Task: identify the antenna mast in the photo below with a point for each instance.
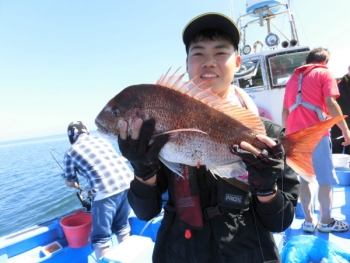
(231, 9)
(292, 23)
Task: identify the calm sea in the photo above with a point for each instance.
(32, 189)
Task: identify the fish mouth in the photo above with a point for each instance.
(100, 127)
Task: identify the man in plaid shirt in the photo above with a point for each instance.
(109, 180)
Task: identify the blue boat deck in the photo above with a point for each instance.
(318, 244)
(27, 245)
(340, 211)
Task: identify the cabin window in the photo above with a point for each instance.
(282, 67)
(249, 75)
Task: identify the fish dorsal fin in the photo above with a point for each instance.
(208, 97)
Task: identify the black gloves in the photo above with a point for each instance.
(263, 169)
(143, 158)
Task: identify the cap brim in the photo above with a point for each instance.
(211, 20)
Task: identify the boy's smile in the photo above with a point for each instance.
(214, 63)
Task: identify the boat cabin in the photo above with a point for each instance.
(263, 74)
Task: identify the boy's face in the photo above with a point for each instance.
(214, 63)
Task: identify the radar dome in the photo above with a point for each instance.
(251, 5)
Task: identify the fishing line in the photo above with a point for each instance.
(257, 233)
(284, 238)
(50, 150)
(282, 222)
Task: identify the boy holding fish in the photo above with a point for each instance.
(209, 218)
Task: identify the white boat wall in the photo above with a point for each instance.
(47, 242)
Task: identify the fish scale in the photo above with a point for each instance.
(188, 147)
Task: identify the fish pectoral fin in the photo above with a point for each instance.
(233, 170)
(182, 130)
(175, 131)
(175, 167)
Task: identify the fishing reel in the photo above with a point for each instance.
(84, 199)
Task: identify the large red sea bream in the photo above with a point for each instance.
(203, 126)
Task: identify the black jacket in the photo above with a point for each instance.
(234, 236)
(343, 101)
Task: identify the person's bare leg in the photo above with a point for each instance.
(325, 200)
(121, 238)
(305, 195)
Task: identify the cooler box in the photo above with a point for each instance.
(135, 249)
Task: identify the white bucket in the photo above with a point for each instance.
(340, 160)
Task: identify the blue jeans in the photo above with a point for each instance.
(323, 163)
(109, 215)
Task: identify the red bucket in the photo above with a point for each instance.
(77, 229)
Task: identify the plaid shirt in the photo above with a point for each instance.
(96, 160)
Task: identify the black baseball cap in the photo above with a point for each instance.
(211, 20)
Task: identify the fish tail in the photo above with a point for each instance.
(300, 145)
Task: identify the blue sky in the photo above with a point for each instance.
(63, 60)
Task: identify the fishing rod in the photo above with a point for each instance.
(50, 149)
(338, 138)
(84, 203)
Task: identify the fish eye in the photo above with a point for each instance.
(115, 113)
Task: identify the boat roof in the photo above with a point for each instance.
(270, 52)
